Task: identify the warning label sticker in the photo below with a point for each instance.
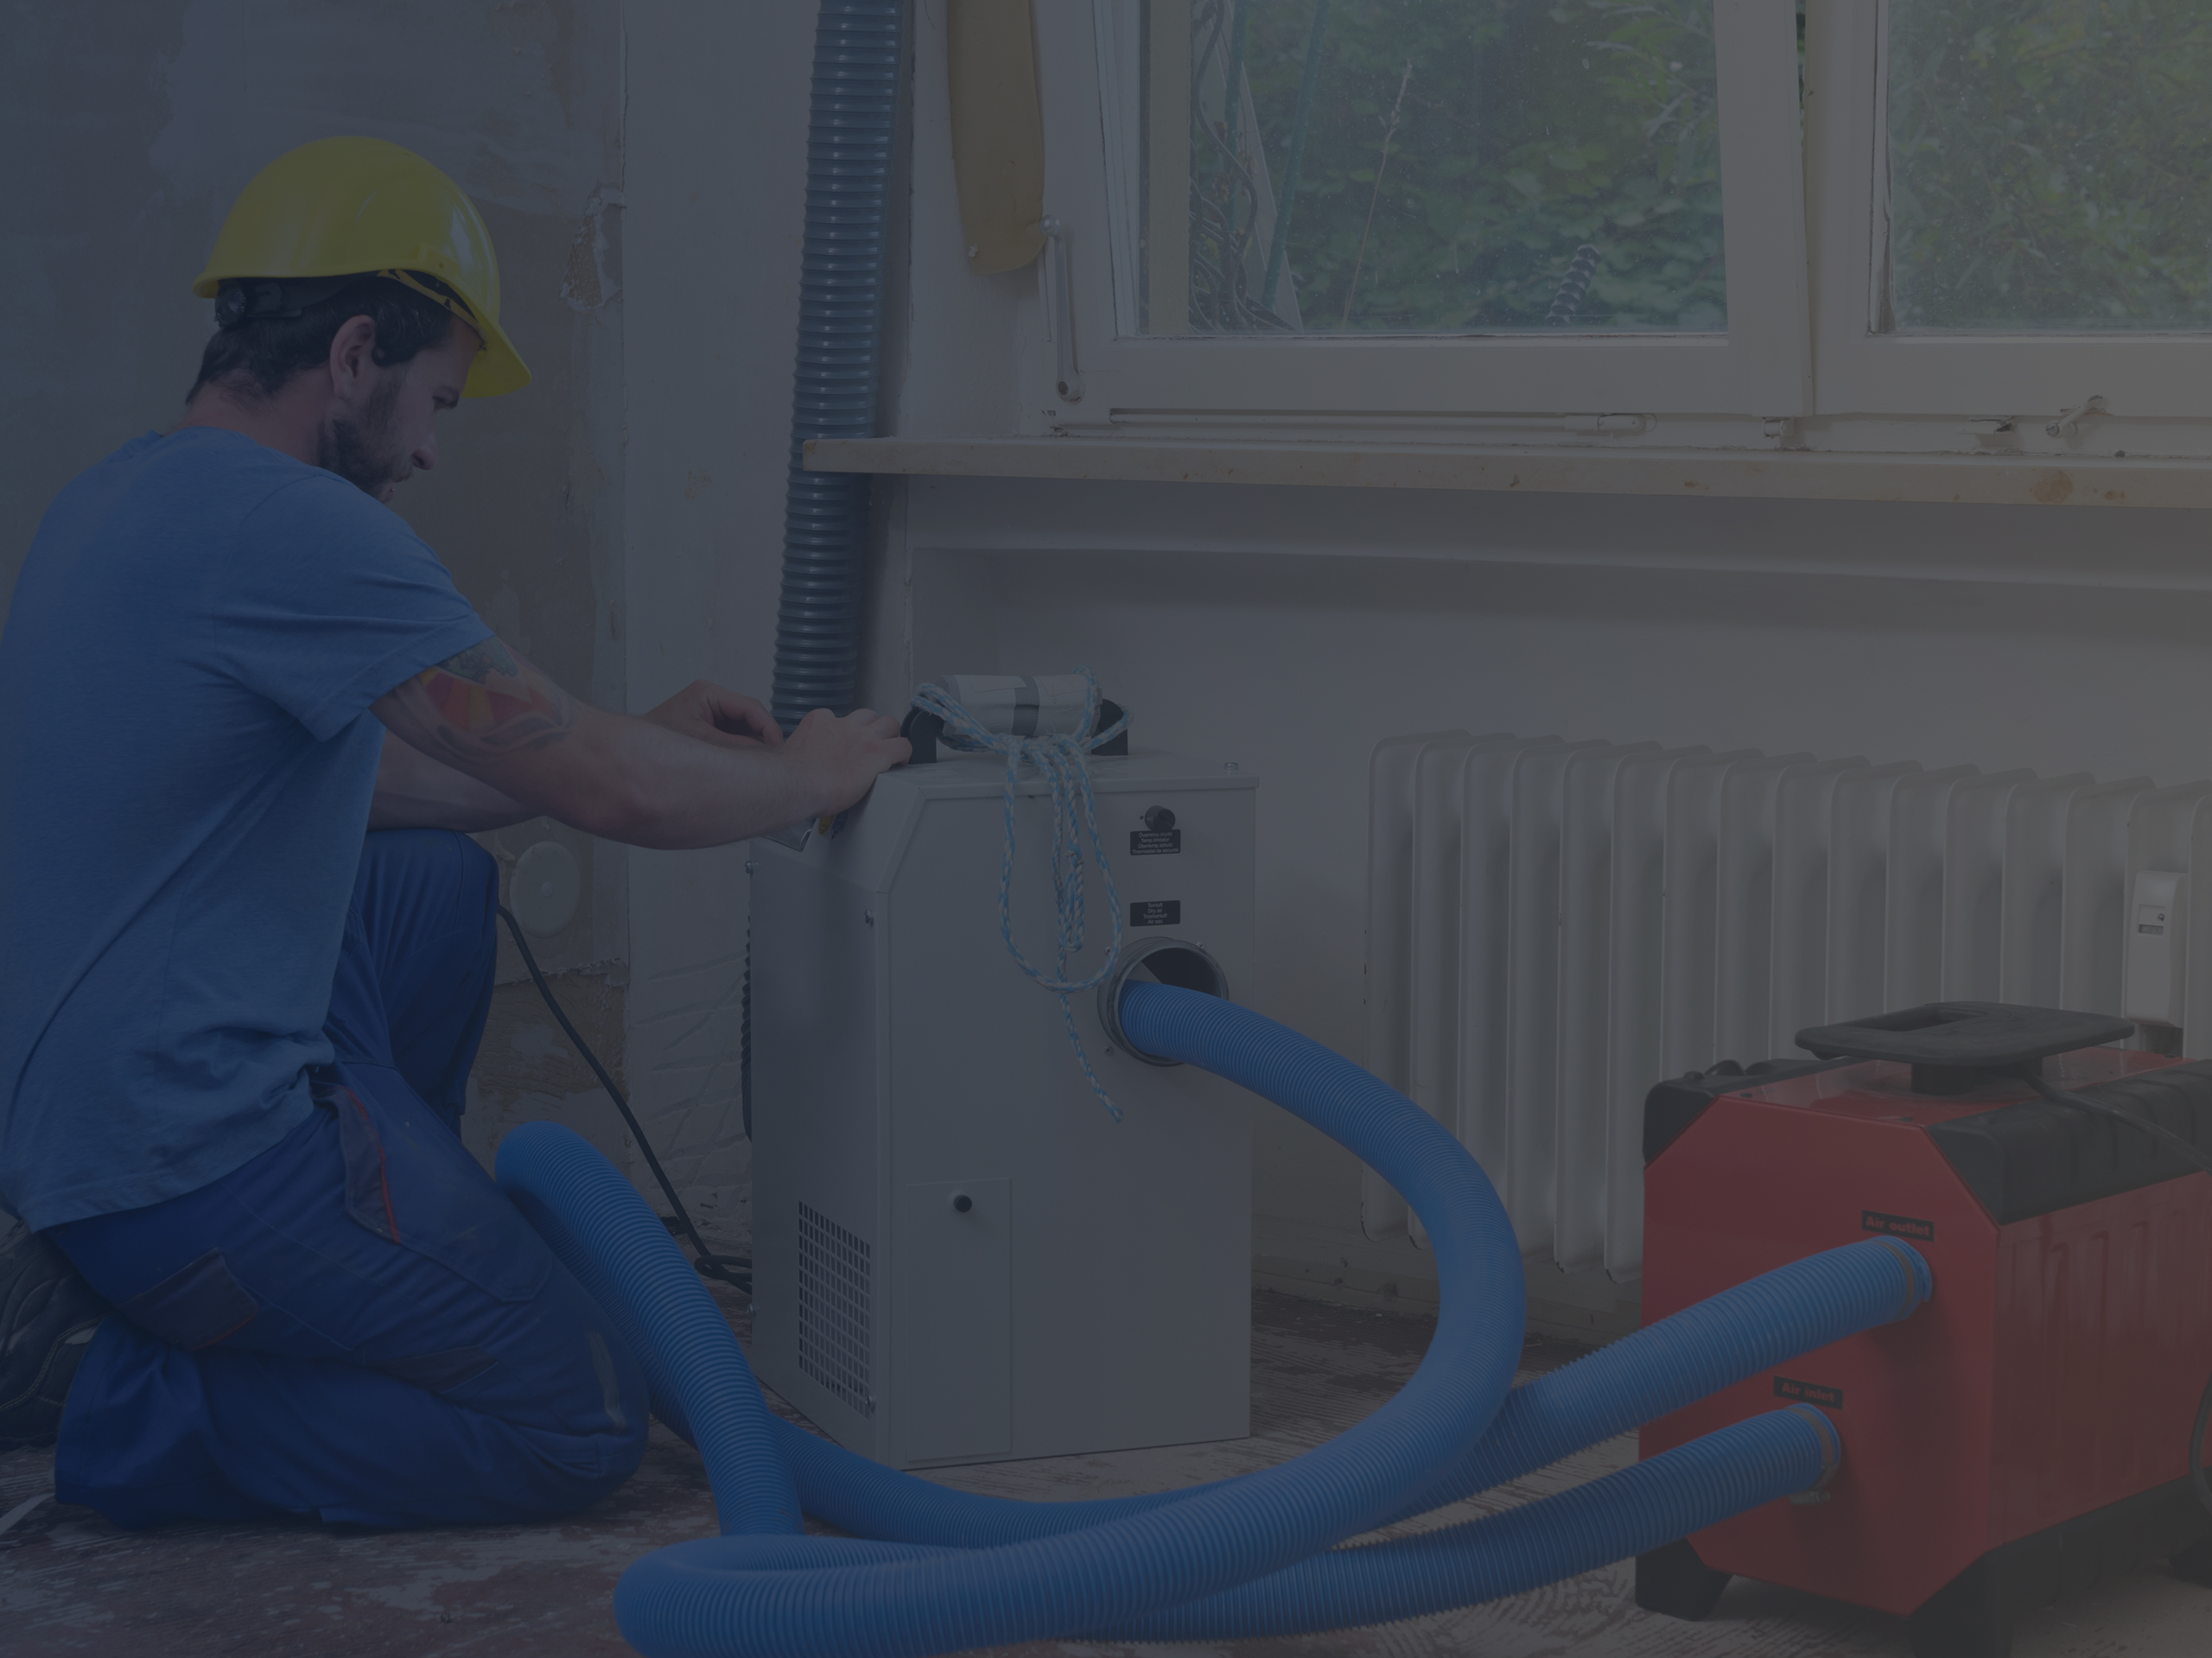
(1809, 1393)
(1156, 913)
(1154, 843)
(1896, 1226)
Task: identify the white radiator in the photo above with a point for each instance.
(1554, 926)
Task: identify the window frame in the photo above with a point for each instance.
(1760, 367)
(1990, 376)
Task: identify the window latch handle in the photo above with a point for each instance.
(2070, 420)
(1058, 286)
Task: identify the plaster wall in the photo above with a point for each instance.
(1291, 629)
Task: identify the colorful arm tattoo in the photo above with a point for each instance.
(484, 699)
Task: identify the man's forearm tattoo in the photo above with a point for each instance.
(484, 699)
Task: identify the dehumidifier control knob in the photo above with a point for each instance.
(1159, 819)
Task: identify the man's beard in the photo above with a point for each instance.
(364, 453)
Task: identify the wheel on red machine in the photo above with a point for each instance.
(1971, 1617)
(1673, 1581)
(2193, 1564)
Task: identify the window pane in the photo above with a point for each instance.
(1428, 166)
(2048, 166)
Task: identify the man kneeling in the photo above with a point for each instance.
(245, 946)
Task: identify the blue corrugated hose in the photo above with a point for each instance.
(943, 1571)
(850, 142)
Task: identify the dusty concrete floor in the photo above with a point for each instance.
(72, 1584)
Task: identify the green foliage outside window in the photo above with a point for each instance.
(1456, 156)
(2050, 165)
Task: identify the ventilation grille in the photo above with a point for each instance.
(1555, 926)
(833, 1277)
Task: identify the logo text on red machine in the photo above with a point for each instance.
(1897, 1226)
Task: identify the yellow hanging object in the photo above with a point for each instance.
(340, 206)
(998, 134)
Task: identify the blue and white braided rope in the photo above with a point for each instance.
(1064, 761)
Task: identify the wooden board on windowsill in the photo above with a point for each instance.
(1995, 479)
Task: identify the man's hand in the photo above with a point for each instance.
(714, 713)
(682, 778)
(844, 757)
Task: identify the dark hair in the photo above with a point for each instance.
(267, 331)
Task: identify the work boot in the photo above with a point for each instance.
(48, 1317)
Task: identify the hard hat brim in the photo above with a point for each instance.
(499, 368)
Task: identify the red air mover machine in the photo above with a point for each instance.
(2039, 1425)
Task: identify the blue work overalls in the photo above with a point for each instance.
(356, 1324)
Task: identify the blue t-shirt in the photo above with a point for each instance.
(186, 765)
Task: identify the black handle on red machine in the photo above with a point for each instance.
(1953, 1046)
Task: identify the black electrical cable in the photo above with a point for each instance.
(712, 1265)
(2183, 1148)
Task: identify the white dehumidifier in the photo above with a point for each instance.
(959, 1255)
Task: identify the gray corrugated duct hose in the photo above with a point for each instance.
(851, 143)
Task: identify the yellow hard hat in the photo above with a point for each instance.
(342, 206)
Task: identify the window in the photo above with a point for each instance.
(2045, 167)
(2014, 214)
(1427, 167)
(1440, 207)
(1448, 216)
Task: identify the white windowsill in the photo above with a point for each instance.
(1995, 479)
